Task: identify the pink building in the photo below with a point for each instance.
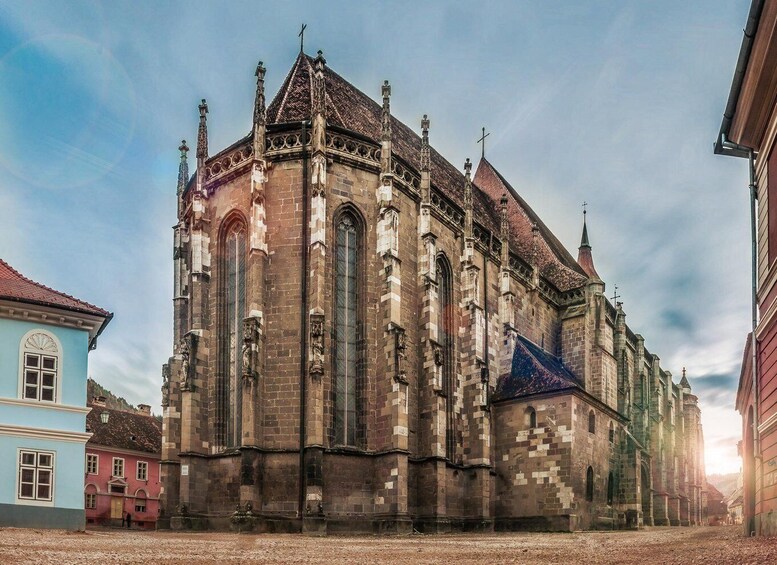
(122, 466)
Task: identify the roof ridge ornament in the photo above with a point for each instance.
(483, 141)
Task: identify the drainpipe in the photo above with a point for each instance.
(736, 150)
(303, 324)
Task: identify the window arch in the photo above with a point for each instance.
(348, 327)
(530, 418)
(591, 422)
(610, 488)
(229, 388)
(446, 336)
(589, 484)
(40, 362)
(612, 433)
(140, 501)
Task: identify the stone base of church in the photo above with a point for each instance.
(674, 522)
(393, 525)
(661, 522)
(432, 525)
(187, 522)
(314, 526)
(563, 523)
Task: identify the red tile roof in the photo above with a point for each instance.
(349, 108)
(17, 287)
(124, 430)
(552, 258)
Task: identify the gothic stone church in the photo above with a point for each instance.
(370, 339)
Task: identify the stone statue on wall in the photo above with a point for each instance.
(400, 349)
(187, 354)
(250, 349)
(165, 385)
(317, 345)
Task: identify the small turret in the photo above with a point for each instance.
(584, 257)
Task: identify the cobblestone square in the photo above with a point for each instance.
(715, 545)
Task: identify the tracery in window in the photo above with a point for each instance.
(347, 330)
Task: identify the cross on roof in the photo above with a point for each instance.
(584, 207)
(615, 295)
(301, 36)
(483, 141)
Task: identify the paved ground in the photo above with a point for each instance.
(714, 545)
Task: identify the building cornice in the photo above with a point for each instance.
(44, 433)
(61, 317)
(45, 405)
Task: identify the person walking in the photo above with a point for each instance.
(129, 520)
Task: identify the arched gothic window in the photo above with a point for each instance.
(446, 336)
(531, 418)
(591, 422)
(233, 300)
(589, 484)
(612, 433)
(40, 361)
(347, 330)
(610, 489)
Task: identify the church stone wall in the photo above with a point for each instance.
(534, 474)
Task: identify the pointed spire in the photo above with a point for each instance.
(584, 256)
(425, 153)
(183, 167)
(584, 239)
(202, 134)
(504, 227)
(684, 384)
(319, 85)
(386, 114)
(468, 198)
(504, 232)
(260, 112)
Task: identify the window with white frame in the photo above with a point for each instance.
(36, 476)
(140, 501)
(90, 500)
(118, 467)
(92, 463)
(40, 365)
(142, 471)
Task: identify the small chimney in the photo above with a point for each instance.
(98, 401)
(144, 409)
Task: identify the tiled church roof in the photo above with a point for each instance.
(533, 371)
(554, 261)
(349, 108)
(15, 286)
(124, 430)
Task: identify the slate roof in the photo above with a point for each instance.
(349, 108)
(124, 430)
(17, 287)
(533, 371)
(553, 260)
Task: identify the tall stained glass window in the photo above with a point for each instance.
(445, 335)
(346, 331)
(234, 313)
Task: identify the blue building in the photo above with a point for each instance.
(45, 338)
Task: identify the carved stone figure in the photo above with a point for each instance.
(165, 385)
(317, 345)
(250, 349)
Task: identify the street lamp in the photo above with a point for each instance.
(104, 417)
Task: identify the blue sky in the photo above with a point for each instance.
(614, 103)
